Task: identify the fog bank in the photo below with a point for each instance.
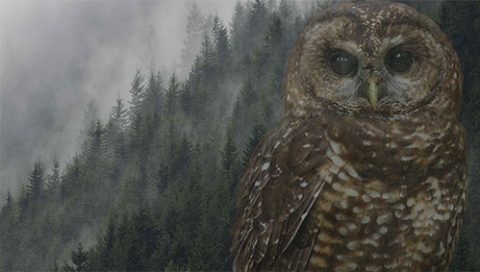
(56, 56)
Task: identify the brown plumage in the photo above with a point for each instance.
(367, 169)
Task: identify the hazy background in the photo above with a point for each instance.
(56, 56)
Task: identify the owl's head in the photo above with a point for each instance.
(377, 59)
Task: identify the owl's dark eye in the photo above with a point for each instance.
(343, 63)
(399, 60)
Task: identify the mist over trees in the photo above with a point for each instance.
(153, 187)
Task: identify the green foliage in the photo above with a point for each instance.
(35, 194)
(154, 186)
(137, 94)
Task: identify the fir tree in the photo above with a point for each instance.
(54, 177)
(230, 168)
(79, 259)
(153, 96)
(118, 116)
(173, 164)
(257, 22)
(238, 30)
(196, 28)
(222, 48)
(36, 186)
(96, 140)
(172, 95)
(7, 209)
(137, 94)
(116, 139)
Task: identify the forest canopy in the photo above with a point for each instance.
(153, 187)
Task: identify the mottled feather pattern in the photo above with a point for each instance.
(340, 185)
(290, 230)
(278, 194)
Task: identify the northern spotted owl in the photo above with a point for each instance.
(367, 169)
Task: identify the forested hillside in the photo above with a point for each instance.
(154, 186)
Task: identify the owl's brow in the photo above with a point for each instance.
(407, 17)
(413, 22)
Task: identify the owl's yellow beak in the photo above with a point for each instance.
(373, 91)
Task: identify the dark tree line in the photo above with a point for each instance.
(154, 186)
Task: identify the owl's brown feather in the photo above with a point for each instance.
(323, 195)
(276, 197)
(343, 185)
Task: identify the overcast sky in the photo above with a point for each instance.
(56, 56)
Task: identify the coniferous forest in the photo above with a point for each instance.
(153, 187)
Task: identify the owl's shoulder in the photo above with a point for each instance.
(277, 193)
(297, 145)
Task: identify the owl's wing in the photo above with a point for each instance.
(272, 229)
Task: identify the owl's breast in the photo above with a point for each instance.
(374, 226)
(392, 200)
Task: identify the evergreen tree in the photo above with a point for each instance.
(9, 235)
(54, 177)
(7, 216)
(116, 140)
(79, 259)
(230, 169)
(70, 182)
(90, 114)
(7, 208)
(54, 181)
(238, 34)
(96, 140)
(257, 22)
(36, 187)
(147, 236)
(222, 48)
(172, 162)
(118, 116)
(172, 95)
(103, 258)
(196, 28)
(137, 94)
(153, 96)
(208, 59)
(90, 118)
